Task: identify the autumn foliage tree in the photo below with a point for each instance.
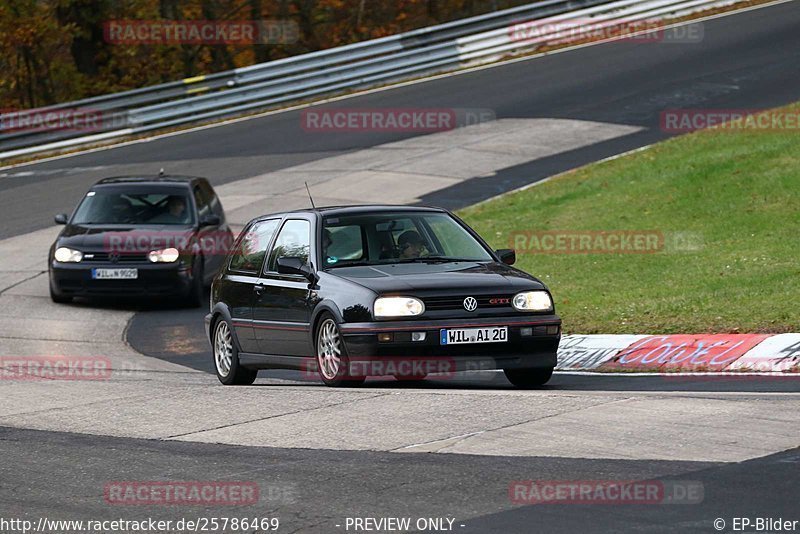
(56, 50)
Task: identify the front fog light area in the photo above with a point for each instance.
(538, 301)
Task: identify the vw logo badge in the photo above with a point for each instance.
(470, 304)
(113, 257)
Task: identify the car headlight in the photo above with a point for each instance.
(532, 301)
(67, 255)
(398, 307)
(168, 255)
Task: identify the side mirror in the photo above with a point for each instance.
(507, 255)
(61, 218)
(295, 265)
(212, 219)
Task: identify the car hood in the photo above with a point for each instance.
(100, 237)
(430, 278)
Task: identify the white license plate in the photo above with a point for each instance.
(460, 336)
(115, 274)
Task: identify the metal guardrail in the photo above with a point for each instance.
(440, 48)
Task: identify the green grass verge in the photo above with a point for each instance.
(737, 194)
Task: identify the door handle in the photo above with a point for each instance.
(258, 288)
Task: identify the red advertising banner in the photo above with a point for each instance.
(684, 352)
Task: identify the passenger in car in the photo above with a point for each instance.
(327, 241)
(411, 245)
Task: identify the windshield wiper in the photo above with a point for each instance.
(425, 259)
(434, 259)
(352, 264)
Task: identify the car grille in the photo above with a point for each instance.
(457, 303)
(122, 257)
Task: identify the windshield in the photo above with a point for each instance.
(131, 207)
(399, 237)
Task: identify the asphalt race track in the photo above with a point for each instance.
(747, 60)
(446, 448)
(327, 487)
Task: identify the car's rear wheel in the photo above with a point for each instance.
(226, 358)
(529, 378)
(333, 364)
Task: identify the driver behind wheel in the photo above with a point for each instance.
(121, 209)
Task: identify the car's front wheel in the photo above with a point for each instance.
(529, 378)
(332, 362)
(226, 358)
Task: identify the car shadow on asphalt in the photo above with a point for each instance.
(171, 332)
(560, 383)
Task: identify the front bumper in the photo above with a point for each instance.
(536, 349)
(154, 280)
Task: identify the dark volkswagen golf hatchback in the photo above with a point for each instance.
(154, 236)
(351, 292)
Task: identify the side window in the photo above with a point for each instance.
(213, 199)
(201, 201)
(293, 241)
(248, 254)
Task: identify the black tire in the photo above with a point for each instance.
(226, 357)
(331, 355)
(57, 298)
(529, 378)
(197, 292)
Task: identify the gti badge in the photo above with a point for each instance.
(470, 304)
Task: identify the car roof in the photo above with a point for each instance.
(158, 179)
(353, 210)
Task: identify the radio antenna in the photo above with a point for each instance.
(309, 196)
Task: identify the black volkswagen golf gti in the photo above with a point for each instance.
(358, 291)
(154, 236)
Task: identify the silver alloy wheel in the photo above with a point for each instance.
(329, 349)
(223, 348)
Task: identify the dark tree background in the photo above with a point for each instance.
(55, 50)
